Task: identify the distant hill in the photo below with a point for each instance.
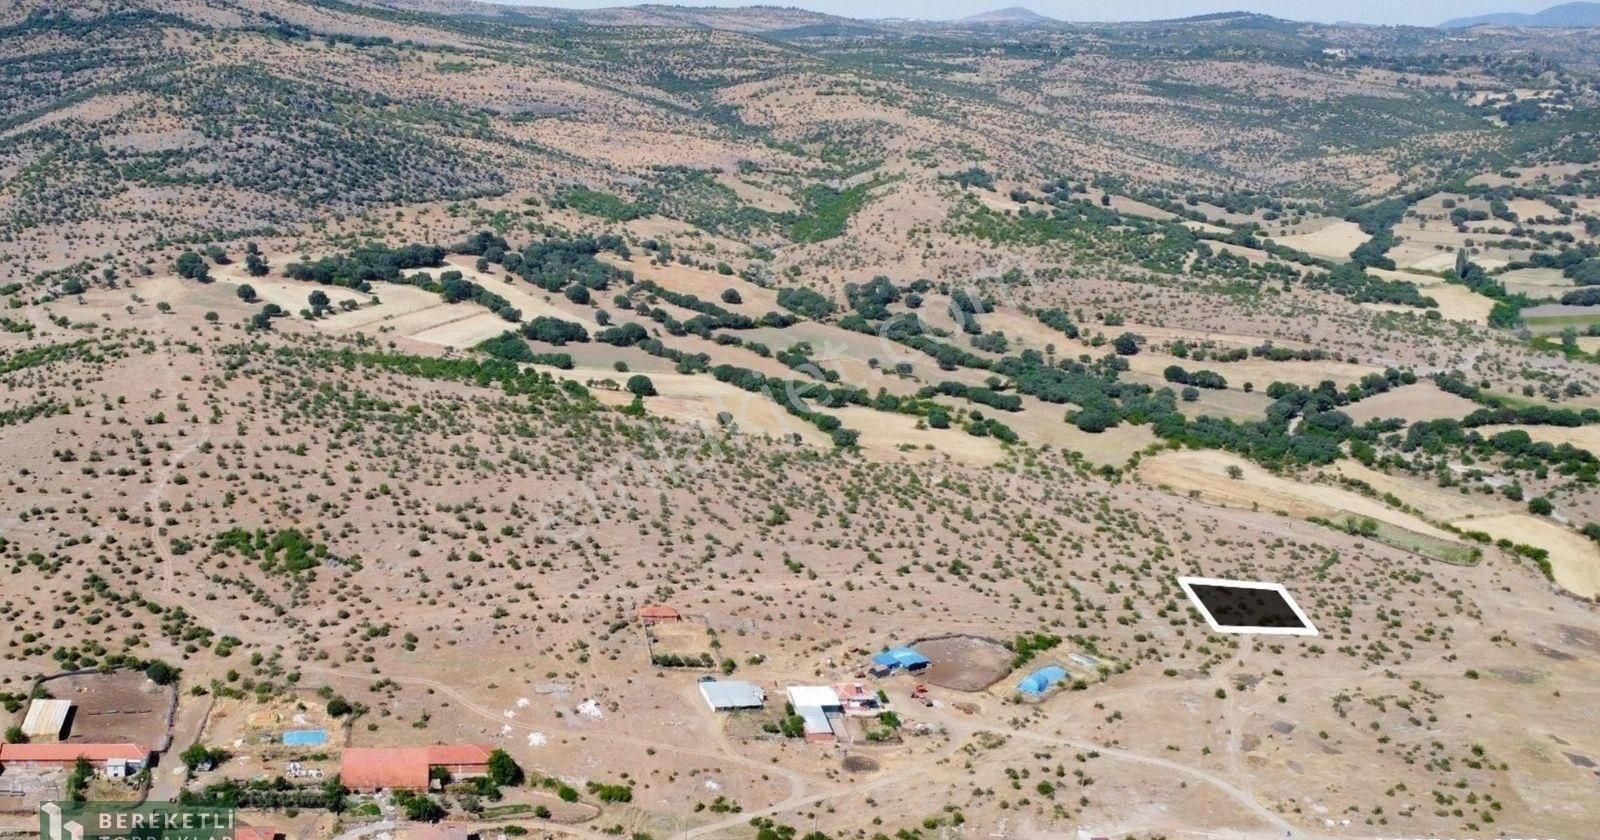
(1566, 15)
(770, 20)
(1010, 14)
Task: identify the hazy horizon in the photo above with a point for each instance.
(1423, 13)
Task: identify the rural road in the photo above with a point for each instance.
(798, 783)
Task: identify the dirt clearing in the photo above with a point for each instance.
(964, 663)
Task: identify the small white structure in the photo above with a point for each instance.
(731, 695)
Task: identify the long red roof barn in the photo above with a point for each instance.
(406, 768)
(67, 753)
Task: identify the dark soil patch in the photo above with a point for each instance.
(859, 764)
(964, 663)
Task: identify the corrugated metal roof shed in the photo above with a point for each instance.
(46, 718)
(726, 695)
(816, 720)
(821, 696)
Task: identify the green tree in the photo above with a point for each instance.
(504, 770)
(333, 795)
(254, 263)
(640, 386)
(192, 266)
(14, 736)
(247, 293)
(199, 756)
(422, 809)
(78, 782)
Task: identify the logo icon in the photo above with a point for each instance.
(134, 821)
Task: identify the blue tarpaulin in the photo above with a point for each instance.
(901, 657)
(305, 738)
(1041, 680)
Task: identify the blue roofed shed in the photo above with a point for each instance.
(1041, 680)
(901, 657)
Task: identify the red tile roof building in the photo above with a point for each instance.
(407, 768)
(657, 613)
(51, 754)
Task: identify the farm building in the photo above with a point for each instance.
(1042, 680)
(47, 720)
(895, 659)
(408, 768)
(254, 832)
(727, 696)
(657, 614)
(820, 696)
(857, 699)
(819, 730)
(813, 703)
(116, 761)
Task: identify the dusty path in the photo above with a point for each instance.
(799, 784)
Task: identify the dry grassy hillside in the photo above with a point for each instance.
(367, 367)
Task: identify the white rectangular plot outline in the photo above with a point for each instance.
(1308, 629)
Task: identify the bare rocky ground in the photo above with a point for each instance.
(343, 509)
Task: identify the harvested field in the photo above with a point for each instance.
(470, 331)
(699, 399)
(1204, 474)
(1333, 239)
(1422, 401)
(419, 321)
(757, 196)
(706, 285)
(1583, 437)
(1043, 424)
(1537, 282)
(120, 707)
(895, 437)
(292, 296)
(1458, 303)
(1427, 498)
(1227, 402)
(1258, 371)
(1574, 559)
(964, 663)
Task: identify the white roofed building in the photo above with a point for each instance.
(47, 720)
